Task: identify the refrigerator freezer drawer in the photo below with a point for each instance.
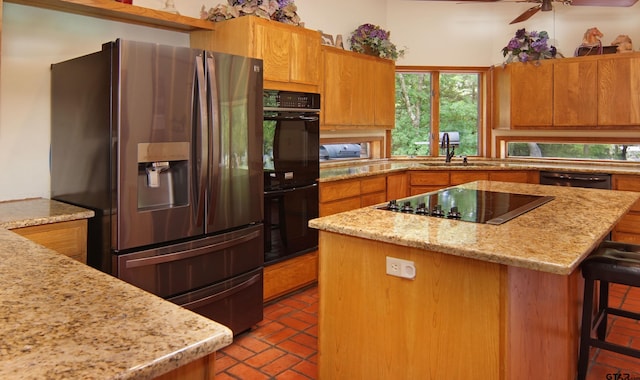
(236, 303)
(180, 268)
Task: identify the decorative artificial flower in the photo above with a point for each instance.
(529, 46)
(284, 11)
(373, 38)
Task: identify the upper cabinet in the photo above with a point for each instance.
(291, 54)
(619, 90)
(358, 91)
(578, 92)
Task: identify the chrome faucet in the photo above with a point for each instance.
(445, 144)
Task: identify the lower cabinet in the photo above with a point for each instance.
(349, 194)
(628, 229)
(290, 275)
(431, 180)
(68, 238)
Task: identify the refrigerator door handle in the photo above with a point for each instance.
(214, 124)
(171, 257)
(202, 139)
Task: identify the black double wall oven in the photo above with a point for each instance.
(291, 171)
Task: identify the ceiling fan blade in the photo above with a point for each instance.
(604, 3)
(526, 15)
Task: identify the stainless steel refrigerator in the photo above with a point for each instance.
(164, 143)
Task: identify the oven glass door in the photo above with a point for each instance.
(287, 213)
(291, 149)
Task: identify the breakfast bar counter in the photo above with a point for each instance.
(62, 319)
(487, 301)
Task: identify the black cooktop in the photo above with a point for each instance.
(469, 205)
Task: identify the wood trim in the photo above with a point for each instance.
(116, 11)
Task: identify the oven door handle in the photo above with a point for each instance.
(296, 117)
(223, 294)
(290, 190)
(161, 259)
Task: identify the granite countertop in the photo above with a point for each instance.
(355, 169)
(37, 211)
(554, 237)
(62, 319)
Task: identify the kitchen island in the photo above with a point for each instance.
(64, 320)
(487, 301)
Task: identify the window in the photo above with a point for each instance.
(613, 152)
(432, 102)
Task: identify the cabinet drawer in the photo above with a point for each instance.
(430, 178)
(338, 190)
(339, 206)
(372, 199)
(372, 185)
(511, 176)
(460, 177)
(627, 183)
(629, 223)
(68, 238)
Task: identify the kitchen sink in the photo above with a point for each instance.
(458, 164)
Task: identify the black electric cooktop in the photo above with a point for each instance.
(469, 205)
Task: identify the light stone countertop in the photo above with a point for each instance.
(554, 237)
(355, 169)
(38, 211)
(62, 319)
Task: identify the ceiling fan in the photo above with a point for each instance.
(546, 5)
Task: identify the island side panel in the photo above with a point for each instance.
(447, 323)
(544, 311)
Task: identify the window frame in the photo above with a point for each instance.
(484, 133)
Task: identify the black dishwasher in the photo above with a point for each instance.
(590, 180)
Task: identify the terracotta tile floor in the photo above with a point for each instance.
(283, 346)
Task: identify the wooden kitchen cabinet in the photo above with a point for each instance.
(428, 180)
(289, 275)
(575, 93)
(459, 177)
(349, 194)
(68, 238)
(358, 91)
(628, 229)
(523, 95)
(524, 176)
(619, 95)
(291, 54)
(397, 186)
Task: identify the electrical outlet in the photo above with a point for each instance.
(401, 268)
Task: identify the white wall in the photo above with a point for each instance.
(435, 33)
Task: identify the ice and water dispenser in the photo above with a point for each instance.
(163, 175)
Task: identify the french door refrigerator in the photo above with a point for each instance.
(164, 143)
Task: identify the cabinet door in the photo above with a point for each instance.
(274, 45)
(305, 57)
(384, 101)
(618, 96)
(337, 92)
(362, 86)
(575, 97)
(68, 238)
(531, 94)
(397, 186)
